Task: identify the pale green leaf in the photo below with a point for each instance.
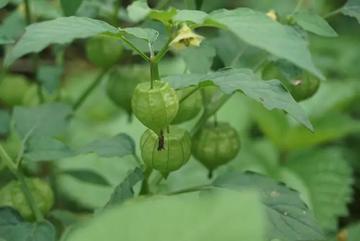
(58, 31)
(199, 59)
(4, 122)
(288, 217)
(193, 16)
(11, 27)
(269, 93)
(178, 218)
(49, 76)
(70, 7)
(352, 9)
(256, 29)
(138, 10)
(124, 190)
(328, 178)
(143, 33)
(312, 22)
(47, 120)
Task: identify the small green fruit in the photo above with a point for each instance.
(155, 107)
(103, 51)
(13, 196)
(190, 107)
(303, 88)
(12, 89)
(122, 83)
(176, 151)
(215, 144)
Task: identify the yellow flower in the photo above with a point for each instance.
(272, 14)
(186, 38)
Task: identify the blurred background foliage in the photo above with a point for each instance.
(323, 166)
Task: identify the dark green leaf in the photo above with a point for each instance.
(270, 93)
(120, 145)
(58, 31)
(70, 7)
(256, 29)
(328, 178)
(47, 120)
(14, 228)
(312, 22)
(124, 190)
(87, 176)
(4, 122)
(288, 216)
(49, 76)
(352, 9)
(47, 149)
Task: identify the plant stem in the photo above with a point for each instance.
(189, 94)
(29, 197)
(163, 51)
(154, 73)
(333, 13)
(18, 174)
(27, 11)
(145, 184)
(90, 89)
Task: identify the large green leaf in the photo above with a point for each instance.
(312, 22)
(70, 6)
(3, 3)
(88, 176)
(49, 149)
(46, 120)
(199, 59)
(288, 217)
(124, 190)
(179, 218)
(269, 93)
(11, 27)
(258, 30)
(328, 178)
(352, 9)
(14, 228)
(66, 29)
(4, 122)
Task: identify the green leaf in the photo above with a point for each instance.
(14, 228)
(312, 22)
(199, 59)
(256, 29)
(47, 149)
(178, 218)
(49, 76)
(147, 34)
(70, 7)
(288, 216)
(58, 31)
(87, 176)
(124, 190)
(47, 120)
(138, 10)
(353, 232)
(11, 28)
(193, 16)
(328, 178)
(4, 122)
(119, 145)
(269, 93)
(3, 3)
(352, 9)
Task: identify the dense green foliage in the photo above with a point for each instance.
(179, 120)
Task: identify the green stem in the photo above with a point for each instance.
(205, 116)
(18, 174)
(183, 98)
(154, 73)
(90, 89)
(163, 51)
(333, 13)
(29, 197)
(27, 11)
(145, 184)
(298, 6)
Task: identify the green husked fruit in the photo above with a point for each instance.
(215, 145)
(300, 84)
(13, 89)
(303, 88)
(176, 151)
(190, 107)
(122, 83)
(157, 107)
(12, 195)
(208, 93)
(103, 51)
